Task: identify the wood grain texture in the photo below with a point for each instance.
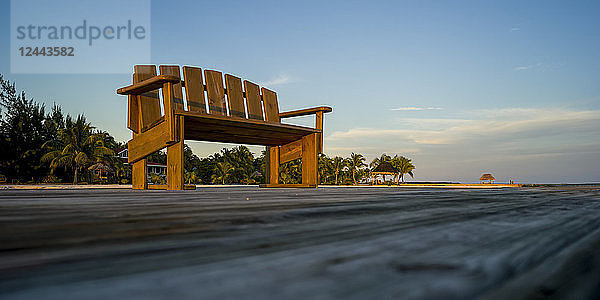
(177, 89)
(271, 106)
(330, 242)
(139, 174)
(133, 113)
(147, 85)
(215, 92)
(290, 151)
(310, 162)
(319, 126)
(305, 112)
(149, 102)
(194, 89)
(244, 131)
(272, 165)
(148, 142)
(235, 96)
(175, 160)
(253, 101)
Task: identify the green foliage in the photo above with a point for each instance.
(24, 127)
(77, 146)
(157, 178)
(53, 147)
(355, 163)
(403, 165)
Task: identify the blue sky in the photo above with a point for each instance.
(461, 87)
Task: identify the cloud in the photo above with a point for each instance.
(527, 144)
(411, 108)
(521, 68)
(518, 128)
(515, 29)
(279, 80)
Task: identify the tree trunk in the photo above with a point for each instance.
(75, 177)
(353, 177)
(336, 175)
(402, 177)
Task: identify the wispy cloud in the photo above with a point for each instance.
(521, 68)
(515, 29)
(411, 108)
(527, 144)
(521, 128)
(278, 80)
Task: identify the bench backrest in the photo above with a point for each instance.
(208, 92)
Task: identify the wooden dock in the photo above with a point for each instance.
(348, 243)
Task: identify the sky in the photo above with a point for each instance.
(460, 87)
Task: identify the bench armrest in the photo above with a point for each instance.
(147, 85)
(304, 112)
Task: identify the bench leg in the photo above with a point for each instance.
(139, 175)
(309, 159)
(272, 163)
(175, 166)
(175, 162)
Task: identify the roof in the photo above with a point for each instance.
(487, 176)
(384, 167)
(100, 166)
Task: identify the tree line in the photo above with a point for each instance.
(48, 146)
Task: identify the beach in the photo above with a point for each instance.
(246, 242)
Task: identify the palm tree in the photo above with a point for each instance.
(338, 164)
(222, 171)
(76, 147)
(403, 165)
(325, 168)
(356, 162)
(378, 160)
(190, 177)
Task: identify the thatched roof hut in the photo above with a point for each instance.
(384, 168)
(487, 176)
(100, 167)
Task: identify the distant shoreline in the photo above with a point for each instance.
(67, 186)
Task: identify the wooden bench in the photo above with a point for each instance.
(212, 110)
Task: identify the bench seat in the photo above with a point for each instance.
(228, 129)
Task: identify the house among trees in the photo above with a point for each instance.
(152, 167)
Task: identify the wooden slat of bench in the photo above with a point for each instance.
(148, 142)
(177, 92)
(215, 93)
(290, 151)
(253, 100)
(194, 89)
(235, 96)
(271, 106)
(149, 101)
(133, 112)
(225, 129)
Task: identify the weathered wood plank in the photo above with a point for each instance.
(272, 165)
(235, 96)
(215, 92)
(194, 89)
(290, 151)
(271, 106)
(253, 101)
(149, 142)
(177, 89)
(175, 159)
(149, 102)
(309, 160)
